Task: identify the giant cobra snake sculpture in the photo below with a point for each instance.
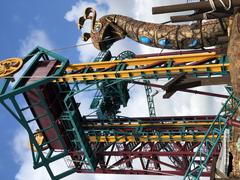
(111, 28)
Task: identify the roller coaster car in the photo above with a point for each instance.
(114, 95)
(111, 94)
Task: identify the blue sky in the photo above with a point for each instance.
(51, 24)
(19, 20)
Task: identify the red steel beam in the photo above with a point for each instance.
(143, 172)
(234, 123)
(218, 50)
(163, 163)
(185, 90)
(148, 154)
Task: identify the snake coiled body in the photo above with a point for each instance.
(111, 28)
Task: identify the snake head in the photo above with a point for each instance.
(104, 32)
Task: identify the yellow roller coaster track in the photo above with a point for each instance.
(152, 138)
(132, 72)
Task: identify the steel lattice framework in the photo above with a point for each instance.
(107, 142)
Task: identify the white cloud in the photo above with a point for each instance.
(137, 105)
(35, 38)
(23, 157)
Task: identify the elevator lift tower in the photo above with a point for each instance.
(45, 101)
